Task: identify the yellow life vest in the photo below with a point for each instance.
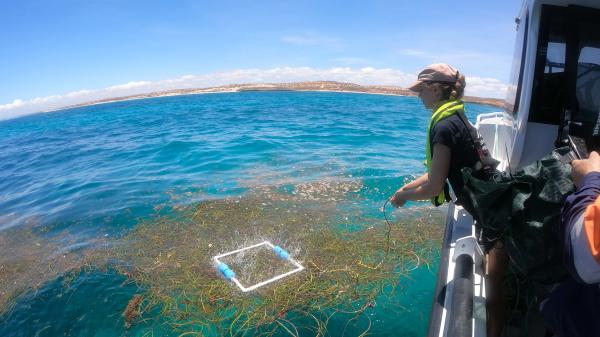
(445, 110)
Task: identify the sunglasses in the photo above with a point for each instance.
(425, 85)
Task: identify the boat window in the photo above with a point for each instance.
(566, 80)
(555, 58)
(586, 105)
(588, 87)
(549, 85)
(516, 74)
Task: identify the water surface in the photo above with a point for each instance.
(78, 176)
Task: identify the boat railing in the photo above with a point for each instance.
(496, 128)
(490, 115)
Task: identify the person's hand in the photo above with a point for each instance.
(398, 200)
(580, 168)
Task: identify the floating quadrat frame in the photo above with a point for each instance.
(230, 275)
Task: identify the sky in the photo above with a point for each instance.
(56, 53)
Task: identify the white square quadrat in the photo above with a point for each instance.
(230, 274)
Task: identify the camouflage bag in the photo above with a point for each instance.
(522, 209)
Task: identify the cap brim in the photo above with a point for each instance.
(416, 87)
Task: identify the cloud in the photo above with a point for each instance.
(17, 103)
(47, 99)
(476, 86)
(129, 85)
(485, 87)
(78, 93)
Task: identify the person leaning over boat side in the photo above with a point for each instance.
(450, 147)
(573, 307)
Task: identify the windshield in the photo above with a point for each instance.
(567, 73)
(588, 86)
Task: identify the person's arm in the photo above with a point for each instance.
(415, 183)
(438, 173)
(586, 177)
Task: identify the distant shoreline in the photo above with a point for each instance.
(318, 86)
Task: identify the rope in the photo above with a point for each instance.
(389, 225)
(387, 242)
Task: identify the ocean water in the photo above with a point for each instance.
(74, 179)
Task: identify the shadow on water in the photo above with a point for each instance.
(88, 303)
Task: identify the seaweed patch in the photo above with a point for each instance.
(350, 262)
(346, 269)
(132, 311)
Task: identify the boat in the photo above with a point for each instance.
(553, 100)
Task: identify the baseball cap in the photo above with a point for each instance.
(437, 72)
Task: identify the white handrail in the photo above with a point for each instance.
(489, 115)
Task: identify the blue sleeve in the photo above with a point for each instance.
(574, 206)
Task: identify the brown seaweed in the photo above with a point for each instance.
(132, 311)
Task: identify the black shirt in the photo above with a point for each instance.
(452, 132)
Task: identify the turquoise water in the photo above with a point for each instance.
(97, 171)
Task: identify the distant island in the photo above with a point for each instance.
(297, 86)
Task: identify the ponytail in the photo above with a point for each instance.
(458, 88)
